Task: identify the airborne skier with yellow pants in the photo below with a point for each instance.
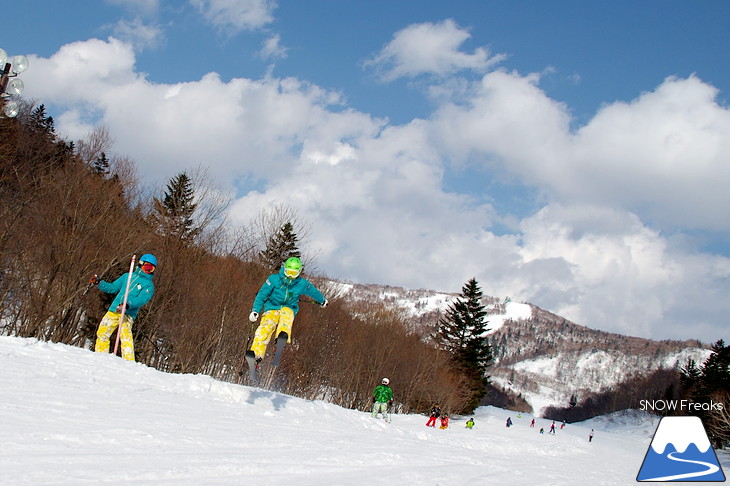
(278, 299)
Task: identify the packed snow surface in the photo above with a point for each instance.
(73, 417)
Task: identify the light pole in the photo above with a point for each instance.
(8, 86)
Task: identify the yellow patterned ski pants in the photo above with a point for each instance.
(107, 326)
(273, 320)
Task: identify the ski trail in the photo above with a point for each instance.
(711, 468)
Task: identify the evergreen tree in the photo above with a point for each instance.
(573, 402)
(716, 370)
(174, 213)
(101, 165)
(712, 376)
(708, 383)
(690, 374)
(462, 332)
(282, 245)
(42, 123)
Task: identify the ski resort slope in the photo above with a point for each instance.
(73, 417)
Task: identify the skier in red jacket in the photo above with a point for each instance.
(445, 421)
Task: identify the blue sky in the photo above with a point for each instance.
(570, 154)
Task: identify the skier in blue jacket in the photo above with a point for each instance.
(141, 290)
(278, 301)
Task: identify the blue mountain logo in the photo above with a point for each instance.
(680, 451)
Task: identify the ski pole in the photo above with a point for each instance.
(124, 303)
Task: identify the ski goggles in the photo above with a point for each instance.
(147, 267)
(291, 273)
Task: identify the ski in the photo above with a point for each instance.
(280, 343)
(268, 376)
(252, 367)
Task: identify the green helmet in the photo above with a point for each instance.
(292, 267)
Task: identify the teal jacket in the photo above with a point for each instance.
(281, 291)
(383, 394)
(141, 290)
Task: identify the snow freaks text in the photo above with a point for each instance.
(680, 406)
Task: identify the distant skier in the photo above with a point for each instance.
(562, 426)
(542, 430)
(278, 299)
(383, 397)
(532, 424)
(552, 428)
(435, 413)
(470, 423)
(590, 436)
(509, 422)
(445, 421)
(141, 290)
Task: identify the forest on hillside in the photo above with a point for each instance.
(70, 210)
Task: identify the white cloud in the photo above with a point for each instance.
(233, 16)
(667, 152)
(140, 34)
(272, 48)
(374, 192)
(84, 73)
(429, 48)
(610, 266)
(666, 155)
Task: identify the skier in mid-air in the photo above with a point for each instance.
(278, 299)
(141, 290)
(382, 398)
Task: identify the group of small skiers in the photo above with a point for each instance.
(435, 414)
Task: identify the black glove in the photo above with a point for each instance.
(324, 304)
(94, 280)
(120, 307)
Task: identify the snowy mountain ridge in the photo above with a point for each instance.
(538, 355)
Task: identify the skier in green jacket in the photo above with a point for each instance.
(383, 397)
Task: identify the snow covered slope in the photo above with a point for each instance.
(72, 417)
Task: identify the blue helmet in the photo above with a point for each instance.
(149, 258)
